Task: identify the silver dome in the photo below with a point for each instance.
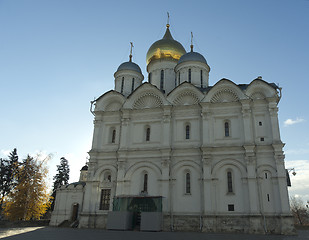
(129, 66)
(192, 56)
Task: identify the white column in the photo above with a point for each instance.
(247, 119)
(207, 184)
(273, 111)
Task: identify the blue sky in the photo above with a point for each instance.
(56, 56)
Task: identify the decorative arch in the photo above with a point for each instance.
(147, 100)
(101, 170)
(185, 94)
(266, 167)
(225, 91)
(146, 165)
(259, 89)
(227, 163)
(184, 164)
(110, 101)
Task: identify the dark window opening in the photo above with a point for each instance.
(226, 129)
(262, 139)
(145, 187)
(113, 136)
(266, 175)
(189, 75)
(148, 134)
(132, 85)
(260, 124)
(230, 207)
(188, 183)
(268, 197)
(162, 80)
(179, 78)
(229, 182)
(149, 77)
(187, 132)
(122, 82)
(201, 78)
(105, 199)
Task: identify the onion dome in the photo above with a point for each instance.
(84, 168)
(166, 48)
(192, 56)
(129, 66)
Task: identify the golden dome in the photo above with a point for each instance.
(166, 48)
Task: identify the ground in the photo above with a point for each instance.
(49, 233)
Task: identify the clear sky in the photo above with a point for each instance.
(56, 56)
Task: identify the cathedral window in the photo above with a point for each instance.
(113, 135)
(268, 199)
(149, 77)
(189, 75)
(201, 78)
(226, 129)
(187, 131)
(122, 82)
(148, 134)
(162, 80)
(105, 199)
(145, 185)
(132, 84)
(260, 124)
(188, 183)
(179, 78)
(230, 207)
(229, 182)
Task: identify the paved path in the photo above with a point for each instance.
(48, 233)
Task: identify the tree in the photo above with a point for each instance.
(61, 178)
(8, 171)
(299, 211)
(29, 199)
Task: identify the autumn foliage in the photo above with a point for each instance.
(29, 199)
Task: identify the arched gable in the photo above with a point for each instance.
(229, 162)
(106, 167)
(145, 96)
(224, 91)
(110, 101)
(185, 94)
(147, 165)
(259, 89)
(266, 167)
(184, 164)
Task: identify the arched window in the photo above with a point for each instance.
(162, 80)
(226, 129)
(148, 134)
(188, 183)
(145, 186)
(113, 136)
(122, 82)
(229, 182)
(189, 75)
(179, 78)
(149, 77)
(175, 80)
(201, 78)
(187, 131)
(132, 85)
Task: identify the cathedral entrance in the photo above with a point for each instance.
(136, 205)
(75, 212)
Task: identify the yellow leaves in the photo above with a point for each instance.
(29, 199)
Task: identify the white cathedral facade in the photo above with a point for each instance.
(179, 154)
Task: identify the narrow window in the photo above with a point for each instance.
(148, 134)
(105, 199)
(179, 78)
(268, 197)
(265, 175)
(188, 183)
(201, 78)
(109, 178)
(162, 80)
(122, 82)
(189, 75)
(175, 80)
(149, 77)
(230, 207)
(113, 136)
(132, 84)
(229, 182)
(260, 124)
(226, 129)
(145, 187)
(187, 132)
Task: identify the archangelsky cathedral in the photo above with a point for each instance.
(175, 154)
